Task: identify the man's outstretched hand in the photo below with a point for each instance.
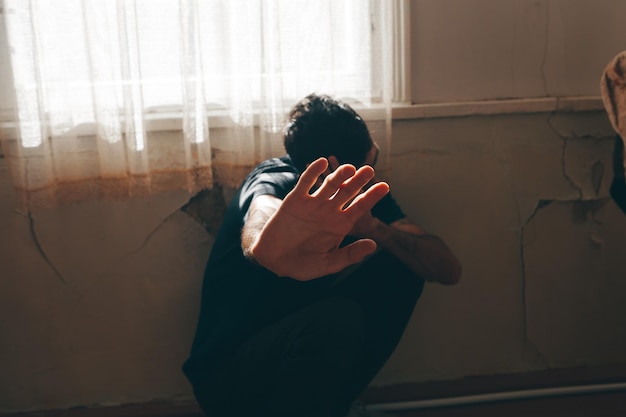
(301, 238)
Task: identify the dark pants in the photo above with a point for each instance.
(317, 360)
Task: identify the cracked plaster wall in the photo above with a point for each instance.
(98, 301)
(523, 201)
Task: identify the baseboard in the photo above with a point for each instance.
(477, 385)
(380, 395)
(151, 409)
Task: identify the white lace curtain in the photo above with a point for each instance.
(119, 98)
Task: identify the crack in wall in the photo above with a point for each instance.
(42, 252)
(545, 50)
(523, 236)
(564, 154)
(425, 152)
(597, 174)
(564, 170)
(145, 241)
(513, 53)
(582, 209)
(529, 343)
(107, 270)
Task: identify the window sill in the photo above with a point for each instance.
(498, 107)
(172, 121)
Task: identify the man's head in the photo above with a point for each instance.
(320, 126)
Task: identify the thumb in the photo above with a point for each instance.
(351, 254)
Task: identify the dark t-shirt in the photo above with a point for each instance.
(240, 297)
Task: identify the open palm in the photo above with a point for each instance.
(301, 239)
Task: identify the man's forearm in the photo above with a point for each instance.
(426, 255)
(257, 218)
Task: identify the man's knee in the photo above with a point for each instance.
(337, 324)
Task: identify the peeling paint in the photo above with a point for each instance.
(207, 208)
(596, 240)
(582, 209)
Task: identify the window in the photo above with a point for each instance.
(111, 64)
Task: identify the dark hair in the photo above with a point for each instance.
(321, 126)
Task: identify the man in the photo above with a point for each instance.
(312, 277)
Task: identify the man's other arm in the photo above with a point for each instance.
(425, 254)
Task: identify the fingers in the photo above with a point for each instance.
(333, 162)
(353, 186)
(367, 200)
(309, 177)
(335, 181)
(342, 185)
